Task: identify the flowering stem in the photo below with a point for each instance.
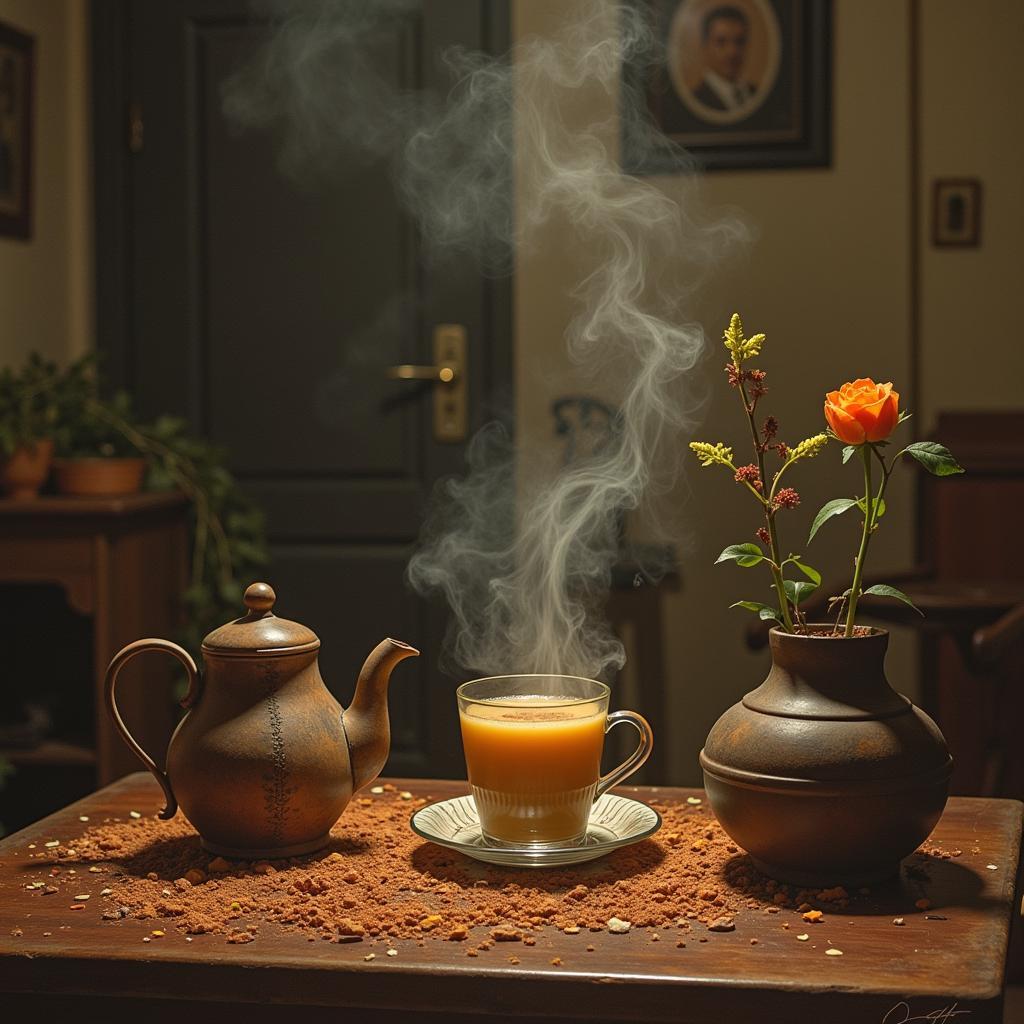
(769, 515)
(869, 516)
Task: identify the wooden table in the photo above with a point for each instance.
(100, 969)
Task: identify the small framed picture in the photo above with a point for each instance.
(17, 53)
(737, 83)
(956, 212)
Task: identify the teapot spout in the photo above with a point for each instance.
(367, 726)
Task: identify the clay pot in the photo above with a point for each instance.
(99, 477)
(824, 774)
(26, 470)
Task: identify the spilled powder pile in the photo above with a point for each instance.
(377, 879)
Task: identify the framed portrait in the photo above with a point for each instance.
(736, 83)
(17, 53)
(956, 212)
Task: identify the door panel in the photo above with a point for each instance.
(265, 311)
(333, 257)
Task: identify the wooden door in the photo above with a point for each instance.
(267, 313)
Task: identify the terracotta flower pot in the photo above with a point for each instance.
(824, 774)
(99, 477)
(24, 472)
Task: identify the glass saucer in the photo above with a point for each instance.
(614, 821)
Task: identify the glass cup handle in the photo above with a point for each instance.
(636, 759)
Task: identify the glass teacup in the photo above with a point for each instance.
(533, 748)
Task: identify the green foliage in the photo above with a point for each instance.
(835, 507)
(936, 458)
(746, 555)
(799, 590)
(29, 408)
(884, 590)
(877, 507)
(808, 570)
(84, 429)
(228, 546)
(765, 612)
(226, 529)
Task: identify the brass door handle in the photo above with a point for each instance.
(451, 399)
(442, 374)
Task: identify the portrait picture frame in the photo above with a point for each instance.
(956, 213)
(17, 87)
(736, 84)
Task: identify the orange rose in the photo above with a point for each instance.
(862, 411)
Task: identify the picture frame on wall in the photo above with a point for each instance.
(17, 76)
(738, 84)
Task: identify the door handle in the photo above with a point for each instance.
(448, 374)
(442, 374)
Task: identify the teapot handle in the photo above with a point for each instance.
(120, 659)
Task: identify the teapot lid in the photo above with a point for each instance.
(260, 631)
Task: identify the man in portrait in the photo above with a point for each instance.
(725, 33)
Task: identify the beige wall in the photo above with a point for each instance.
(827, 280)
(972, 82)
(46, 282)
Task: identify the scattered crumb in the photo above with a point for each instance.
(804, 937)
(833, 952)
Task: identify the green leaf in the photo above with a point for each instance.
(765, 612)
(809, 571)
(798, 590)
(936, 458)
(742, 554)
(884, 590)
(835, 507)
(848, 452)
(877, 505)
(751, 606)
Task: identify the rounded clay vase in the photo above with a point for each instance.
(99, 477)
(824, 774)
(25, 471)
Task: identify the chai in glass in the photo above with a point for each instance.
(533, 748)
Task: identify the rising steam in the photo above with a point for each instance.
(526, 590)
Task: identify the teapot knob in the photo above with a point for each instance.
(259, 598)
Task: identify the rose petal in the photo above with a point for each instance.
(845, 426)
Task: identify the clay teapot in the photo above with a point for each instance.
(265, 760)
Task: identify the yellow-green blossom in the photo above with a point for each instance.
(741, 348)
(709, 454)
(809, 447)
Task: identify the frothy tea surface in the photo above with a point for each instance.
(533, 762)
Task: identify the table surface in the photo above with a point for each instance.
(61, 505)
(952, 963)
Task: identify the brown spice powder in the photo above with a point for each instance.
(378, 879)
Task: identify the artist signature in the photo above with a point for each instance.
(900, 1014)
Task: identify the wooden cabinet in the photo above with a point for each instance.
(122, 564)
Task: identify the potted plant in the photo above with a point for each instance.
(824, 773)
(94, 457)
(28, 417)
